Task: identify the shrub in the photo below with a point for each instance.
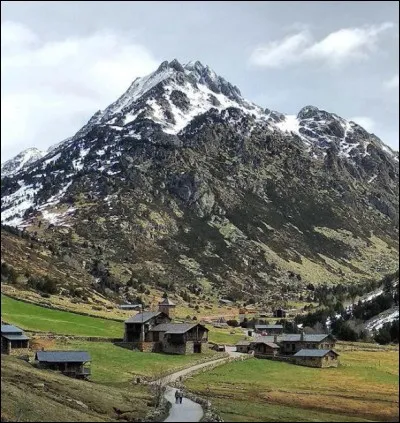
(233, 323)
(43, 284)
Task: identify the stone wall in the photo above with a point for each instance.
(19, 352)
(170, 348)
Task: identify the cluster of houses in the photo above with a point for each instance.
(155, 331)
(313, 350)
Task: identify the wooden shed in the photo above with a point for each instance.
(13, 340)
(70, 363)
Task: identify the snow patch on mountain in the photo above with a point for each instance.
(15, 205)
(386, 316)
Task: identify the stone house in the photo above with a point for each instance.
(14, 341)
(269, 329)
(70, 363)
(263, 349)
(317, 358)
(293, 343)
(137, 327)
(155, 332)
(180, 338)
(243, 347)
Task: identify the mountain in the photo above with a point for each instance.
(182, 184)
(26, 157)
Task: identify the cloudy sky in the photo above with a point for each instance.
(62, 61)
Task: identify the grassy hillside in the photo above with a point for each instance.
(364, 388)
(33, 317)
(32, 395)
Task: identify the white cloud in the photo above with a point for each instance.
(337, 48)
(392, 83)
(366, 122)
(50, 89)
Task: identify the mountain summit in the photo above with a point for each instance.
(183, 179)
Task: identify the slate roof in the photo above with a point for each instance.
(147, 315)
(269, 344)
(307, 338)
(313, 353)
(10, 329)
(167, 301)
(268, 338)
(63, 356)
(175, 328)
(19, 337)
(268, 326)
(128, 306)
(243, 343)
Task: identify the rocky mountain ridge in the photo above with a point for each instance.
(182, 179)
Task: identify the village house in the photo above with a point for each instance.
(14, 341)
(70, 363)
(137, 327)
(317, 358)
(293, 343)
(155, 332)
(243, 347)
(264, 349)
(269, 329)
(180, 338)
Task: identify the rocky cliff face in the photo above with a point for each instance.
(183, 182)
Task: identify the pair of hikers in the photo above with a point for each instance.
(178, 397)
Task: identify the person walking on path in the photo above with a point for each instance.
(180, 397)
(176, 396)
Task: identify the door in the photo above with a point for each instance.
(197, 347)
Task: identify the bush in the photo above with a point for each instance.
(8, 273)
(43, 284)
(233, 323)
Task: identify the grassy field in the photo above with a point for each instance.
(114, 365)
(33, 317)
(32, 395)
(223, 336)
(364, 388)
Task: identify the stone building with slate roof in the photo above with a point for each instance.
(292, 343)
(14, 341)
(317, 358)
(155, 332)
(264, 349)
(314, 350)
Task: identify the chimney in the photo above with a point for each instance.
(275, 339)
(302, 335)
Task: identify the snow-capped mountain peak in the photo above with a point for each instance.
(172, 96)
(168, 108)
(26, 157)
